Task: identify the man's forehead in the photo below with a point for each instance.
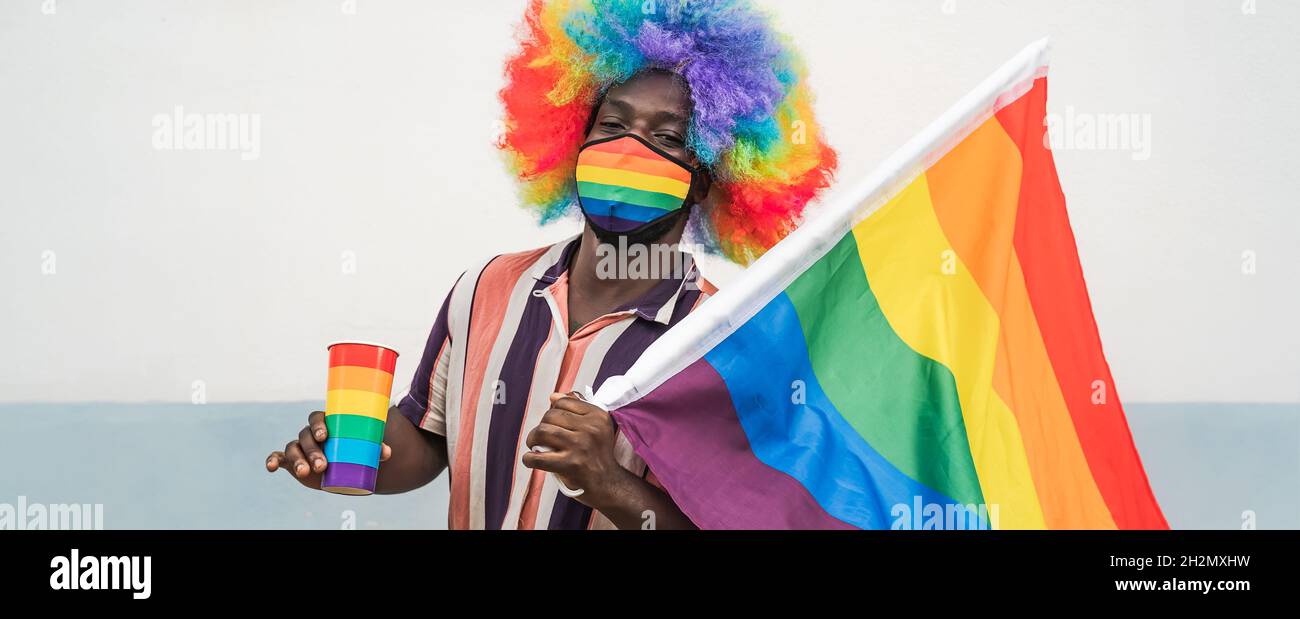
(667, 109)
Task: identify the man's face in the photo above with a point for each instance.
(655, 106)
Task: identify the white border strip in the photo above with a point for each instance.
(724, 312)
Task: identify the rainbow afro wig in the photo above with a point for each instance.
(753, 125)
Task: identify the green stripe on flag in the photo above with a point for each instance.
(903, 404)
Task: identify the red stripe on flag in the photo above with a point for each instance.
(1049, 258)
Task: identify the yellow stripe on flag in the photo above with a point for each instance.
(975, 190)
(933, 304)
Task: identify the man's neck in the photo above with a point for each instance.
(594, 289)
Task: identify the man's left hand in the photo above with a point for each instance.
(580, 436)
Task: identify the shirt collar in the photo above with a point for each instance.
(656, 305)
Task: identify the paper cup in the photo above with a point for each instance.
(356, 408)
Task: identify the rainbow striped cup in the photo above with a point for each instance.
(356, 407)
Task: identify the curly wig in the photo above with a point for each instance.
(752, 127)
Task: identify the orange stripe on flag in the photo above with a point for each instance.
(1056, 289)
(975, 190)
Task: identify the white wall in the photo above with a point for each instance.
(172, 267)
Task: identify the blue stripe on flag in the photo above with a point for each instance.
(810, 440)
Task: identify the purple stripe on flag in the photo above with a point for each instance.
(688, 433)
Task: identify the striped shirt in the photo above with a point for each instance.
(499, 347)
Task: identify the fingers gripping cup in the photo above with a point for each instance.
(356, 407)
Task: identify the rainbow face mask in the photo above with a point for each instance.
(626, 184)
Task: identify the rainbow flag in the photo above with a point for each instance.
(921, 355)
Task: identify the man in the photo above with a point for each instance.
(699, 96)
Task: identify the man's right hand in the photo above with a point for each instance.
(303, 457)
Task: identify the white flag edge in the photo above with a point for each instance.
(733, 306)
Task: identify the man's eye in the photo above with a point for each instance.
(671, 139)
(611, 125)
